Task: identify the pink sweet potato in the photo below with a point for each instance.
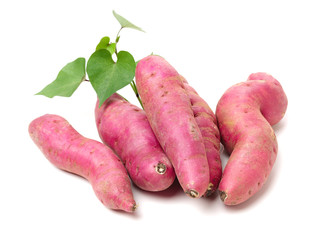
(169, 111)
(125, 128)
(245, 114)
(65, 148)
(207, 123)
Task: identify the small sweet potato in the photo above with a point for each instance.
(245, 114)
(65, 148)
(125, 128)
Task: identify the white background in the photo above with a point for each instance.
(214, 44)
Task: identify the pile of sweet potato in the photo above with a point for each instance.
(177, 135)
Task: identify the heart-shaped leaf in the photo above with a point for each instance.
(67, 81)
(107, 76)
(105, 44)
(125, 23)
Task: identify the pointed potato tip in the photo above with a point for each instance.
(134, 207)
(223, 196)
(192, 193)
(209, 190)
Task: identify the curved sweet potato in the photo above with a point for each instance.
(245, 114)
(65, 148)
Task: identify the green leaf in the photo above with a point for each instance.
(107, 76)
(105, 44)
(125, 23)
(111, 48)
(67, 81)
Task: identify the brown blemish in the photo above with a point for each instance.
(182, 85)
(83, 142)
(191, 102)
(258, 184)
(275, 150)
(249, 192)
(164, 94)
(192, 129)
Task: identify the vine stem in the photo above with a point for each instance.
(116, 41)
(133, 86)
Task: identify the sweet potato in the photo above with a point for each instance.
(245, 114)
(169, 111)
(65, 148)
(125, 128)
(207, 123)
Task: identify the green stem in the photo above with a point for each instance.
(140, 101)
(116, 41)
(117, 35)
(133, 86)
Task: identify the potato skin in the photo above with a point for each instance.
(245, 114)
(171, 117)
(125, 128)
(66, 149)
(207, 123)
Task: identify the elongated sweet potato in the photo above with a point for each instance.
(245, 114)
(65, 148)
(207, 123)
(125, 128)
(169, 111)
